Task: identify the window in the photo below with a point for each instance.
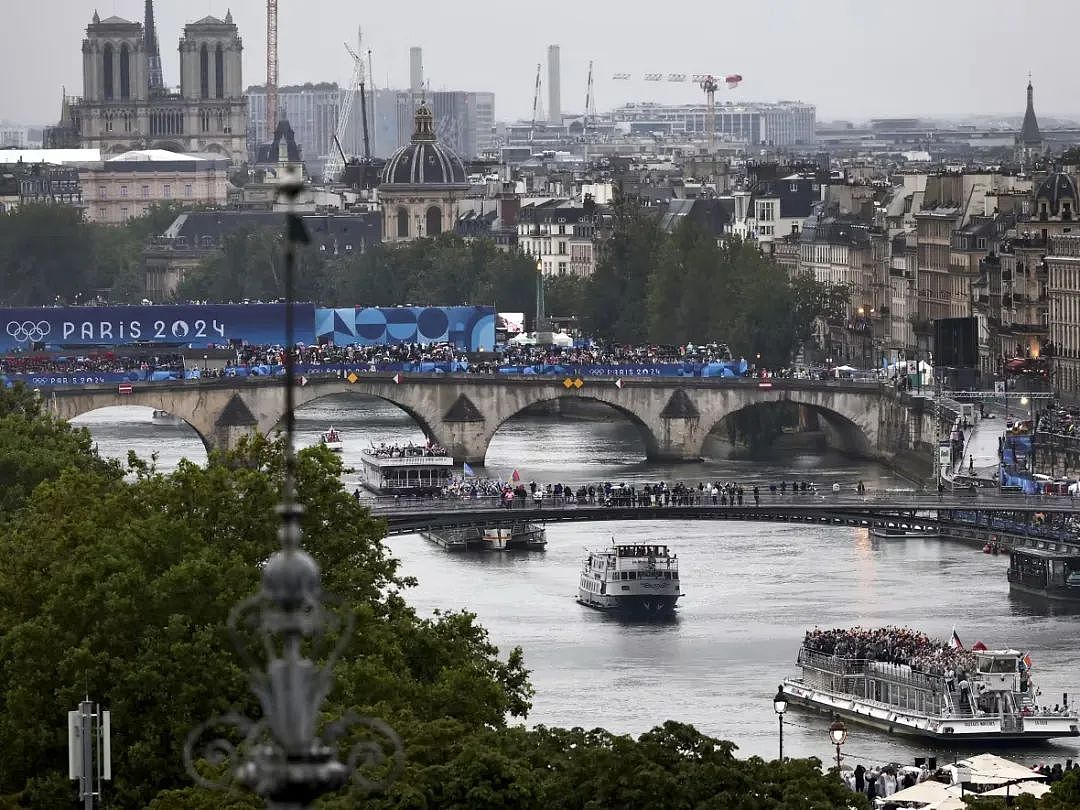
(219, 72)
(204, 72)
(103, 191)
(101, 213)
(562, 268)
(433, 221)
(402, 223)
(187, 189)
(562, 248)
(123, 191)
(980, 243)
(166, 192)
(123, 214)
(145, 210)
(145, 191)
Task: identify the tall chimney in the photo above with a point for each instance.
(416, 70)
(554, 99)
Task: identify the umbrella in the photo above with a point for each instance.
(951, 803)
(926, 792)
(1036, 789)
(989, 769)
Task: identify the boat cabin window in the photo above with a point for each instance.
(997, 664)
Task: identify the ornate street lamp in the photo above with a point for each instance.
(282, 633)
(838, 735)
(779, 704)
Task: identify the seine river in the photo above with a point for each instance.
(751, 590)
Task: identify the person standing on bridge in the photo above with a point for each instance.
(757, 496)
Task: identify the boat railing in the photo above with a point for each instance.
(409, 461)
(835, 664)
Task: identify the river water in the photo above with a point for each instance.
(751, 590)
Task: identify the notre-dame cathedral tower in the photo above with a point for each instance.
(126, 105)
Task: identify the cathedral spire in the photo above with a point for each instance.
(155, 79)
(1029, 132)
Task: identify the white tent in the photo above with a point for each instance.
(925, 792)
(523, 339)
(990, 769)
(562, 339)
(1036, 789)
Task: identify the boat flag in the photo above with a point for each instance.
(1027, 660)
(978, 646)
(515, 477)
(465, 468)
(955, 641)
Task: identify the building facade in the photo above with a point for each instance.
(785, 123)
(560, 235)
(130, 184)
(1063, 272)
(121, 111)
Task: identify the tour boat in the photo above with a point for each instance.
(900, 533)
(632, 578)
(526, 536)
(407, 470)
(1048, 574)
(332, 439)
(992, 701)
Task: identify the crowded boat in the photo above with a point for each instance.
(902, 681)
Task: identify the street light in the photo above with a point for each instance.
(779, 704)
(838, 735)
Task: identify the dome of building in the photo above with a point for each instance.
(424, 162)
(1056, 189)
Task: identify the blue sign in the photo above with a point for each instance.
(470, 329)
(196, 326)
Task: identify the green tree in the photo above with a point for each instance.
(615, 301)
(43, 256)
(564, 295)
(36, 448)
(122, 587)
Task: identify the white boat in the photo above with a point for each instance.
(631, 578)
(332, 439)
(990, 701)
(407, 470)
(901, 533)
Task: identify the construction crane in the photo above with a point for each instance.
(334, 165)
(708, 82)
(590, 110)
(536, 102)
(271, 68)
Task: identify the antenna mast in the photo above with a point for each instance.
(271, 68)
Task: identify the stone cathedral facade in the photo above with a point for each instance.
(123, 108)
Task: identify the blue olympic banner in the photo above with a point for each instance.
(470, 329)
(196, 326)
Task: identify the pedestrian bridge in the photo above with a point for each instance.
(994, 514)
(462, 412)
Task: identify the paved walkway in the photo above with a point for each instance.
(982, 445)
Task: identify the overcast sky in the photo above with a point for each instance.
(852, 58)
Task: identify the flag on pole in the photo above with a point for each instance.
(515, 477)
(955, 642)
(1027, 660)
(465, 468)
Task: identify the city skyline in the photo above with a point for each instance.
(816, 55)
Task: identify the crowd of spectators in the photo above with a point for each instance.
(893, 645)
(410, 450)
(1060, 420)
(88, 363)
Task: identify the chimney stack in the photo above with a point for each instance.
(416, 70)
(554, 96)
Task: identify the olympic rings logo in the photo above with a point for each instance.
(23, 331)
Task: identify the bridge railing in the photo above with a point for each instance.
(914, 500)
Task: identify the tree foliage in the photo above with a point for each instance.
(50, 255)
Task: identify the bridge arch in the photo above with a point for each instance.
(852, 433)
(645, 432)
(97, 419)
(421, 420)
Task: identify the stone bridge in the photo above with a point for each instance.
(463, 412)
